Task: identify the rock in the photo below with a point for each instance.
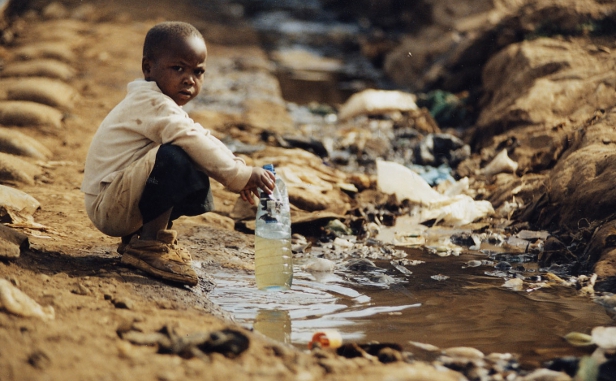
(12, 242)
(546, 375)
(211, 219)
(16, 302)
(55, 10)
(311, 185)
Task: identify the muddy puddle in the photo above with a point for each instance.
(445, 301)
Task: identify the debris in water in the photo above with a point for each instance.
(328, 338)
(515, 284)
(319, 265)
(439, 277)
(401, 268)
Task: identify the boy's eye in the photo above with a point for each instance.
(199, 72)
(177, 68)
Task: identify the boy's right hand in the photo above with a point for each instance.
(259, 178)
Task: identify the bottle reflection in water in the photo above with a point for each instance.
(273, 256)
(275, 324)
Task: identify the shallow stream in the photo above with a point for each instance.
(468, 308)
(443, 301)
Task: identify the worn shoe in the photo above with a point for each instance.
(121, 248)
(170, 237)
(160, 258)
(184, 254)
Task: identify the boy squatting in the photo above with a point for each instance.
(149, 163)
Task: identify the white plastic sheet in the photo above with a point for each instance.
(371, 102)
(394, 178)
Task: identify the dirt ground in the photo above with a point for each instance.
(76, 270)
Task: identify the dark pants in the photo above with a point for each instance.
(175, 183)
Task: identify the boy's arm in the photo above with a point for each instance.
(168, 123)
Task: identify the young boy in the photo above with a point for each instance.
(149, 163)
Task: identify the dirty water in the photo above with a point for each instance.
(442, 301)
(465, 308)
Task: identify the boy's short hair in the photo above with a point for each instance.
(162, 33)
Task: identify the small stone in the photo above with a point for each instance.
(80, 289)
(39, 359)
(124, 302)
(466, 352)
(389, 355)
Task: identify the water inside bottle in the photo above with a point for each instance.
(273, 271)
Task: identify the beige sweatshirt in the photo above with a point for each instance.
(145, 119)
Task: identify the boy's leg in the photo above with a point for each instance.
(174, 188)
(175, 183)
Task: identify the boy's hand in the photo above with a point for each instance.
(260, 178)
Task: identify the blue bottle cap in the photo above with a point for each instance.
(269, 167)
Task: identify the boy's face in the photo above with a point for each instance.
(179, 69)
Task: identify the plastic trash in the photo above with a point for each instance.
(446, 108)
(327, 338)
(604, 337)
(319, 265)
(500, 164)
(273, 255)
(16, 206)
(394, 178)
(371, 102)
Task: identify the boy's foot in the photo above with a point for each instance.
(160, 258)
(183, 253)
(121, 248)
(171, 237)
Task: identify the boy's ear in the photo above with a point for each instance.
(146, 67)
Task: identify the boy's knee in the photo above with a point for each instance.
(172, 153)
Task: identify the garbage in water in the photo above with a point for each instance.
(405, 184)
(326, 339)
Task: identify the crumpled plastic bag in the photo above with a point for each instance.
(458, 210)
(16, 206)
(373, 102)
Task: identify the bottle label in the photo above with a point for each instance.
(272, 208)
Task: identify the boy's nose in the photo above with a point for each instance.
(189, 80)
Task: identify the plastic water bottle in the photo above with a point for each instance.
(273, 256)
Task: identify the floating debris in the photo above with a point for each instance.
(401, 268)
(439, 277)
(472, 263)
(319, 265)
(515, 284)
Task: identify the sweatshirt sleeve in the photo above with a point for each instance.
(210, 154)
